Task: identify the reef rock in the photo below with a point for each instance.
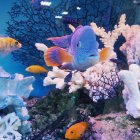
(131, 47)
(131, 92)
(9, 127)
(114, 126)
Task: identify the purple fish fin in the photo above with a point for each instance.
(63, 41)
(80, 26)
(51, 57)
(67, 66)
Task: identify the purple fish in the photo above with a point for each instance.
(82, 45)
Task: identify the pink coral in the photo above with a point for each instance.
(131, 47)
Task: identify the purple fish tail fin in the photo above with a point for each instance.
(52, 58)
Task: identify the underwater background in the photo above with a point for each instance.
(32, 23)
(83, 100)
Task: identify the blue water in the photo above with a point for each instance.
(8, 63)
(13, 67)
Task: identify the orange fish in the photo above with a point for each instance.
(104, 54)
(36, 69)
(76, 131)
(55, 56)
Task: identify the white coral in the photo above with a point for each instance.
(13, 88)
(9, 126)
(131, 47)
(97, 80)
(56, 77)
(109, 38)
(131, 92)
(74, 87)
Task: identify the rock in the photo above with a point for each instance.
(115, 126)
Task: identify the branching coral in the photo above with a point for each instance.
(131, 92)
(56, 77)
(131, 47)
(100, 80)
(9, 126)
(109, 38)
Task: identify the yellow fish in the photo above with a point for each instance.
(76, 131)
(36, 69)
(8, 45)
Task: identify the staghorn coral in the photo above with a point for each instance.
(109, 38)
(131, 92)
(100, 80)
(131, 47)
(8, 127)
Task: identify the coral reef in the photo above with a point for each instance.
(131, 47)
(101, 80)
(52, 114)
(115, 126)
(56, 77)
(13, 89)
(131, 92)
(9, 125)
(109, 38)
(104, 13)
(90, 90)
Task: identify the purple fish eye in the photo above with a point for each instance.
(78, 44)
